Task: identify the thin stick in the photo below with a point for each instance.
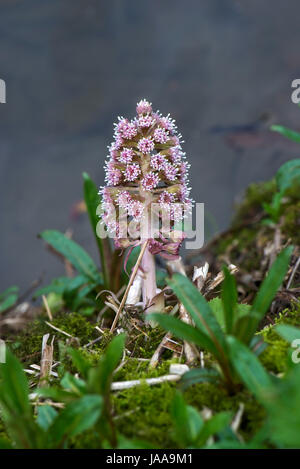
(132, 277)
(293, 273)
(47, 307)
(58, 330)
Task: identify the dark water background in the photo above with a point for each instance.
(222, 68)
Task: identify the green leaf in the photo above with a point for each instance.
(287, 332)
(183, 331)
(100, 377)
(199, 375)
(267, 292)
(45, 417)
(216, 305)
(8, 302)
(16, 411)
(288, 133)
(129, 443)
(245, 327)
(80, 362)
(229, 299)
(187, 421)
(58, 285)
(8, 291)
(249, 368)
(198, 308)
(288, 175)
(14, 387)
(57, 394)
(73, 384)
(74, 253)
(77, 417)
(92, 201)
(214, 425)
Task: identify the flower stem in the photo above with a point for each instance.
(132, 277)
(149, 282)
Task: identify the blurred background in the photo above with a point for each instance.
(223, 69)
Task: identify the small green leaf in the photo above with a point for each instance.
(77, 417)
(80, 362)
(266, 293)
(288, 133)
(288, 175)
(8, 302)
(45, 417)
(199, 375)
(187, 421)
(100, 377)
(73, 384)
(58, 285)
(214, 425)
(74, 253)
(229, 299)
(8, 291)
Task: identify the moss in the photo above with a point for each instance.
(255, 195)
(275, 357)
(27, 345)
(217, 399)
(144, 344)
(144, 413)
(291, 223)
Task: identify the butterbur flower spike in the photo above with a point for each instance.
(146, 165)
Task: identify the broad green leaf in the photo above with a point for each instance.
(183, 331)
(249, 368)
(77, 417)
(45, 417)
(267, 292)
(74, 253)
(198, 308)
(229, 299)
(288, 175)
(92, 201)
(288, 133)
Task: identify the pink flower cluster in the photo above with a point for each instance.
(146, 157)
